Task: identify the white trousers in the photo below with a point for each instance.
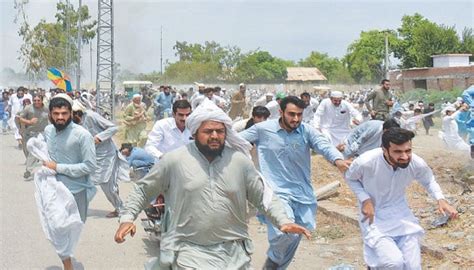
(397, 253)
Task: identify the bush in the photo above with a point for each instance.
(427, 96)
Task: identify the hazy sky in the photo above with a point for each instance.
(287, 29)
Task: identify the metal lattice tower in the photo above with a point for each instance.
(105, 84)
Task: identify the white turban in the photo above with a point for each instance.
(77, 106)
(336, 94)
(64, 96)
(208, 111)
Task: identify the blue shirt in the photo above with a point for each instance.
(364, 137)
(165, 101)
(140, 158)
(285, 157)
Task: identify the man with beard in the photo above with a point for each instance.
(135, 121)
(35, 118)
(283, 147)
(170, 133)
(72, 153)
(206, 185)
(164, 102)
(111, 166)
(333, 117)
(238, 103)
(379, 177)
(382, 101)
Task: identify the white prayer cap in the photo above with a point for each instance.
(450, 108)
(242, 85)
(208, 111)
(137, 95)
(269, 94)
(64, 96)
(199, 84)
(336, 94)
(77, 106)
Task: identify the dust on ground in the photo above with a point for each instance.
(454, 172)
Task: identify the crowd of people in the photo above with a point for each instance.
(210, 153)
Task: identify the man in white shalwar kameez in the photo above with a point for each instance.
(170, 133)
(15, 105)
(112, 167)
(206, 185)
(449, 133)
(333, 118)
(379, 177)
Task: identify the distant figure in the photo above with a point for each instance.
(135, 121)
(238, 103)
(428, 120)
(382, 101)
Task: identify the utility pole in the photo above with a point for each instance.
(386, 55)
(161, 50)
(79, 42)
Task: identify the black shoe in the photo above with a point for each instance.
(26, 175)
(270, 265)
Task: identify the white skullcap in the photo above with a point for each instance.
(450, 108)
(242, 85)
(199, 84)
(77, 106)
(208, 111)
(137, 95)
(336, 94)
(64, 96)
(269, 94)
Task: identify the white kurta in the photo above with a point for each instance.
(450, 134)
(16, 105)
(370, 176)
(334, 122)
(165, 136)
(308, 113)
(274, 108)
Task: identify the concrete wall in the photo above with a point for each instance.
(436, 78)
(451, 61)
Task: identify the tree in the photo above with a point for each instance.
(46, 44)
(419, 39)
(467, 43)
(331, 67)
(365, 56)
(262, 67)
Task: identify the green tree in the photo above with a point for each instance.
(365, 56)
(261, 67)
(467, 43)
(45, 45)
(419, 39)
(331, 67)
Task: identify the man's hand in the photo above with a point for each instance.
(124, 229)
(33, 121)
(342, 165)
(373, 113)
(97, 140)
(341, 147)
(368, 211)
(50, 164)
(446, 209)
(389, 102)
(295, 228)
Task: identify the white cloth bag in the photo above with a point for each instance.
(57, 208)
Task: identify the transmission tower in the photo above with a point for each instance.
(105, 85)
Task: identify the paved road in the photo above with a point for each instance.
(23, 244)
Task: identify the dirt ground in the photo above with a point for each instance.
(454, 173)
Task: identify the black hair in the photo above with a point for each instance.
(293, 100)
(217, 89)
(59, 102)
(384, 80)
(305, 94)
(208, 90)
(417, 110)
(396, 136)
(181, 104)
(431, 104)
(260, 111)
(390, 123)
(78, 113)
(128, 146)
